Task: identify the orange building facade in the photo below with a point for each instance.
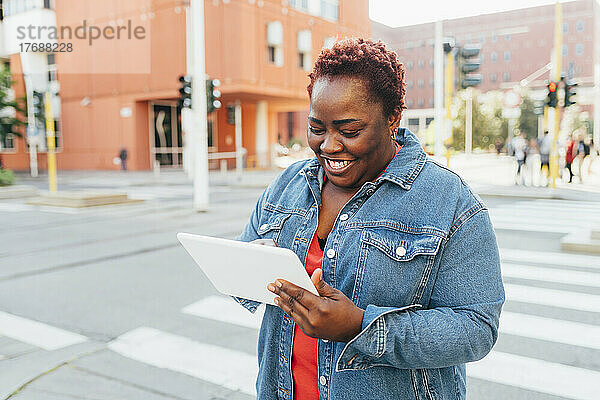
(115, 94)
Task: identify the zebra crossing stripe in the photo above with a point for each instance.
(551, 258)
(552, 297)
(36, 333)
(231, 369)
(225, 309)
(552, 330)
(550, 275)
(538, 375)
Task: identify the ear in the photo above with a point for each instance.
(394, 121)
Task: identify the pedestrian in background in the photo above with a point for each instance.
(519, 145)
(582, 151)
(570, 156)
(123, 157)
(545, 146)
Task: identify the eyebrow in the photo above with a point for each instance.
(335, 122)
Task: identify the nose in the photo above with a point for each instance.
(330, 144)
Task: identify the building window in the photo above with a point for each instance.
(507, 37)
(494, 38)
(410, 65)
(304, 49)
(431, 62)
(299, 4)
(506, 76)
(507, 56)
(275, 43)
(493, 77)
(482, 39)
(421, 64)
(409, 103)
(409, 84)
(579, 26)
(494, 56)
(330, 9)
(431, 83)
(8, 144)
(431, 102)
(579, 49)
(420, 102)
(565, 27)
(481, 57)
(565, 50)
(409, 45)
(420, 83)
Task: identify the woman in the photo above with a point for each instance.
(410, 287)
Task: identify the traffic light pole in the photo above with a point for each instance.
(50, 138)
(198, 125)
(438, 72)
(553, 113)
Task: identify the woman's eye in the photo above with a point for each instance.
(315, 130)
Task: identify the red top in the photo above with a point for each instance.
(305, 367)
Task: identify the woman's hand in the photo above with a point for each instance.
(331, 315)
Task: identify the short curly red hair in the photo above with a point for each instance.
(370, 61)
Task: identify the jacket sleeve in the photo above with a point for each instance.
(461, 322)
(249, 234)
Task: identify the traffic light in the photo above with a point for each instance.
(552, 99)
(38, 104)
(185, 92)
(212, 95)
(569, 93)
(467, 64)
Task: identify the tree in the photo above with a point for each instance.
(488, 124)
(9, 107)
(528, 121)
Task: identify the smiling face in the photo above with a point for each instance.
(348, 131)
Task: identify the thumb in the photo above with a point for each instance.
(322, 287)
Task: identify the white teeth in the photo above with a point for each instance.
(338, 164)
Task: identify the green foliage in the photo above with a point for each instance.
(9, 108)
(528, 122)
(6, 177)
(488, 124)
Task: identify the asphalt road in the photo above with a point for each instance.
(103, 303)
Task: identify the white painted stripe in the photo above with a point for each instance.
(225, 309)
(231, 369)
(537, 375)
(531, 227)
(36, 333)
(550, 275)
(552, 330)
(551, 258)
(552, 297)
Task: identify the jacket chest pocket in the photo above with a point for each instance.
(394, 267)
(273, 227)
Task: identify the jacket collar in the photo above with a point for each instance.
(402, 170)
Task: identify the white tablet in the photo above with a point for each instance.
(245, 269)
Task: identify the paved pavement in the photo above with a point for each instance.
(103, 303)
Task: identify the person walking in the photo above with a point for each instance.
(519, 145)
(401, 251)
(123, 157)
(570, 156)
(545, 147)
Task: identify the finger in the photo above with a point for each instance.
(302, 296)
(322, 287)
(295, 310)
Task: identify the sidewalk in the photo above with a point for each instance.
(489, 175)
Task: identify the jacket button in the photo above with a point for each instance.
(400, 251)
(343, 217)
(263, 227)
(323, 380)
(331, 253)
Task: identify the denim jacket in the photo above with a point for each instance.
(416, 250)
